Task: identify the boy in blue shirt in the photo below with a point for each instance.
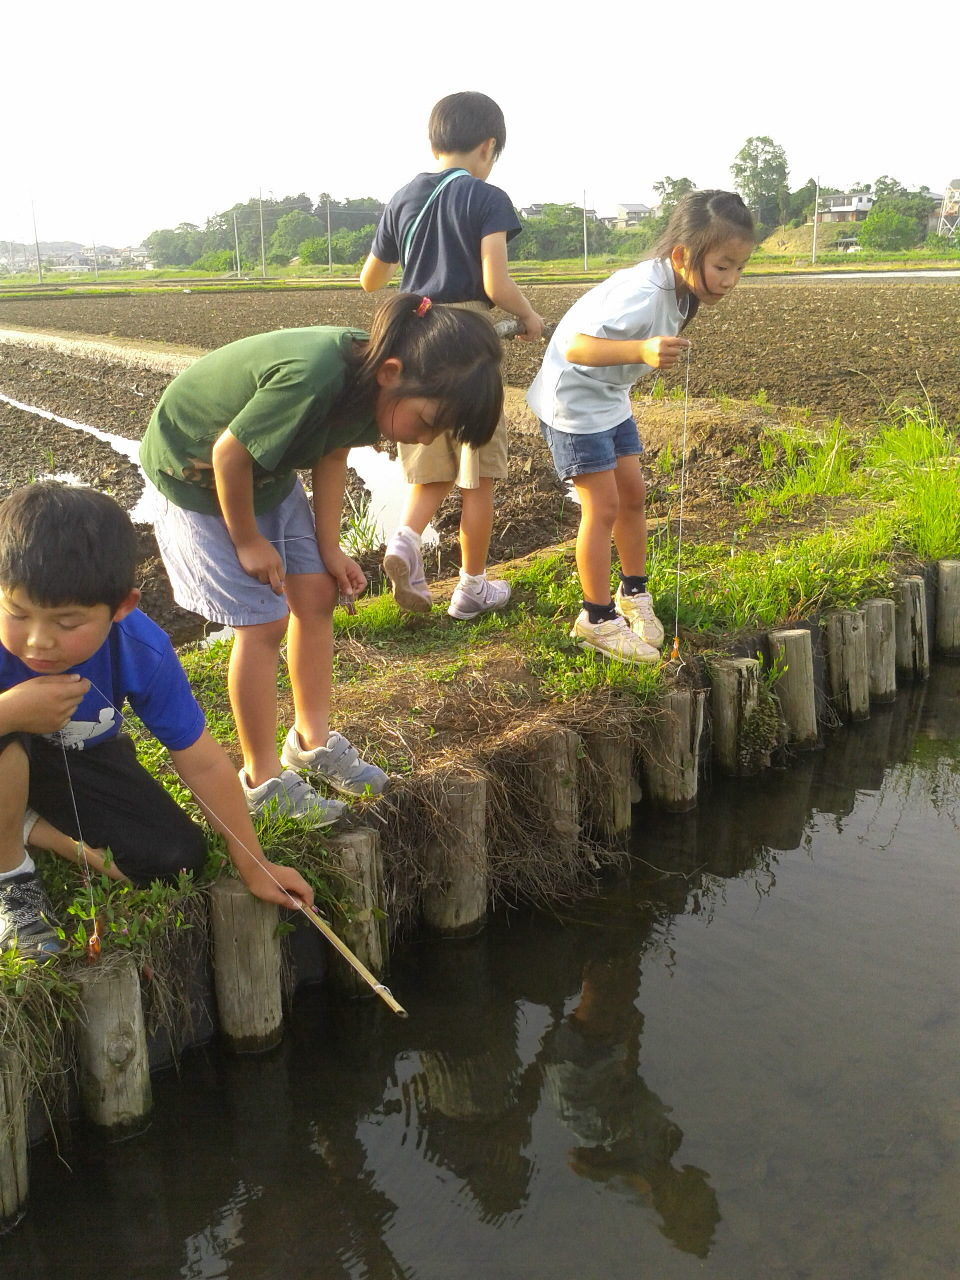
(448, 231)
(73, 648)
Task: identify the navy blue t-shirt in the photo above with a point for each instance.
(443, 260)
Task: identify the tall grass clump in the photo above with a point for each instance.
(821, 465)
(914, 464)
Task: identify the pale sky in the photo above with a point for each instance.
(124, 119)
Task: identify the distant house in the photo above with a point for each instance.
(849, 206)
(631, 215)
(531, 211)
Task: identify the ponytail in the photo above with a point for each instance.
(447, 354)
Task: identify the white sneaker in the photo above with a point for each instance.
(638, 611)
(292, 795)
(470, 601)
(403, 565)
(613, 638)
(337, 763)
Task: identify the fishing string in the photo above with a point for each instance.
(675, 651)
(93, 942)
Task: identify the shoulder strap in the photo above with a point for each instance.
(405, 247)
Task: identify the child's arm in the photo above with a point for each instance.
(374, 274)
(501, 290)
(329, 479)
(600, 353)
(233, 472)
(45, 836)
(41, 705)
(207, 771)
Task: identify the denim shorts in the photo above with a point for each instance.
(206, 575)
(578, 455)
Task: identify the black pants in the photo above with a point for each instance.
(105, 797)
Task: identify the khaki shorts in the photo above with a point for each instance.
(445, 460)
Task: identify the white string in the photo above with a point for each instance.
(683, 474)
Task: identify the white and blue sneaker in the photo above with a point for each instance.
(27, 921)
(338, 763)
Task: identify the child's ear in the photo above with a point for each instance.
(389, 372)
(678, 256)
(128, 605)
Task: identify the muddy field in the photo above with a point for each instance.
(838, 346)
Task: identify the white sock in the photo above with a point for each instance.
(472, 579)
(406, 532)
(26, 866)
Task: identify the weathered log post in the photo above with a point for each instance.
(845, 634)
(356, 857)
(114, 1069)
(881, 649)
(455, 892)
(913, 644)
(550, 771)
(246, 963)
(948, 607)
(13, 1142)
(734, 699)
(791, 652)
(671, 750)
(607, 806)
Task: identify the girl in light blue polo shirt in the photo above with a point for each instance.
(616, 333)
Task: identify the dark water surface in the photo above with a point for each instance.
(741, 1064)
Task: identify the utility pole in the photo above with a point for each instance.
(586, 260)
(236, 244)
(329, 242)
(816, 215)
(33, 214)
(96, 265)
(263, 252)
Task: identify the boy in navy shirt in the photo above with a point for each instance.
(448, 231)
(73, 648)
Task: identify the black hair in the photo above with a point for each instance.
(447, 354)
(701, 221)
(64, 544)
(461, 121)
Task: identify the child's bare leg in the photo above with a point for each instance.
(423, 503)
(599, 507)
(252, 682)
(14, 783)
(476, 526)
(630, 527)
(311, 597)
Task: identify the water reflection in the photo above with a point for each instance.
(740, 1062)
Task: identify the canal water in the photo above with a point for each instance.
(740, 1061)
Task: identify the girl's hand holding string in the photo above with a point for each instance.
(262, 561)
(662, 352)
(350, 577)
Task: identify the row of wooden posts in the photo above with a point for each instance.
(866, 651)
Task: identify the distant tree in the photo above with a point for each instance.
(217, 260)
(292, 229)
(671, 191)
(346, 246)
(169, 248)
(887, 186)
(760, 174)
(887, 230)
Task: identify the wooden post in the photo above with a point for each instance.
(913, 645)
(13, 1143)
(455, 892)
(847, 667)
(551, 773)
(881, 649)
(792, 652)
(734, 697)
(948, 607)
(356, 856)
(607, 806)
(246, 963)
(671, 750)
(112, 1047)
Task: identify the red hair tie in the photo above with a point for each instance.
(424, 307)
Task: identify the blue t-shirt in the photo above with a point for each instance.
(136, 664)
(443, 259)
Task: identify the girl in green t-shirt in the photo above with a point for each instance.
(235, 529)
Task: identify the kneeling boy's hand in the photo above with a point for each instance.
(44, 704)
(272, 883)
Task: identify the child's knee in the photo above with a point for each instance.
(182, 848)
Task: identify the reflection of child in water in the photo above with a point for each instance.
(590, 1067)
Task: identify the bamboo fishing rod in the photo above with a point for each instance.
(382, 991)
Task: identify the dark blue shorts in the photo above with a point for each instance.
(578, 455)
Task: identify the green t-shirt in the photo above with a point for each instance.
(274, 391)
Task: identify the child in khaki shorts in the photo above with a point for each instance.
(449, 231)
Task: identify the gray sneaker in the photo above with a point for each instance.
(403, 565)
(470, 602)
(27, 921)
(337, 763)
(293, 795)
